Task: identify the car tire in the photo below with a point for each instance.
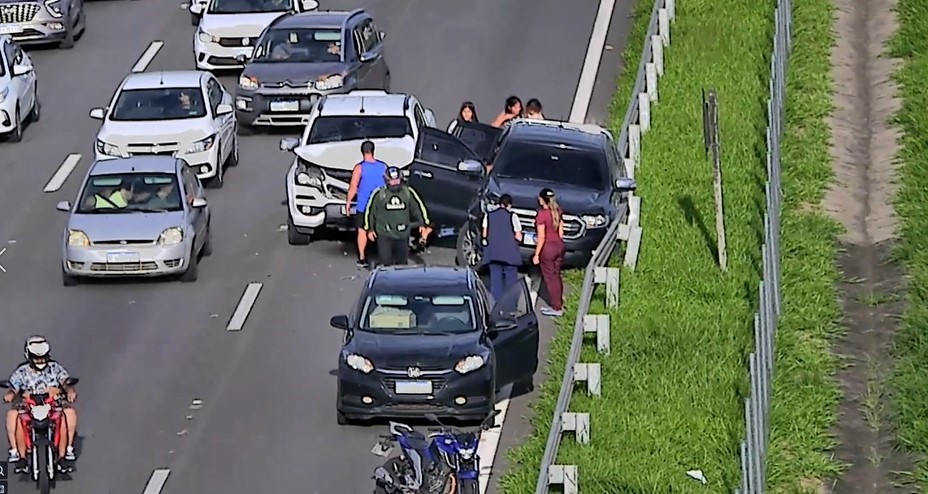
(245, 130)
(68, 280)
(191, 274)
(386, 82)
(207, 249)
(294, 237)
(194, 20)
(36, 112)
(16, 135)
(234, 157)
(68, 42)
(341, 418)
(465, 243)
(219, 180)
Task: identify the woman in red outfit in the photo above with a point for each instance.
(549, 250)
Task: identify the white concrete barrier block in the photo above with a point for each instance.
(650, 77)
(629, 167)
(663, 25)
(644, 112)
(564, 475)
(657, 53)
(632, 247)
(634, 143)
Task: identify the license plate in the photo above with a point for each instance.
(528, 238)
(414, 387)
(11, 29)
(285, 105)
(122, 257)
(348, 212)
(246, 51)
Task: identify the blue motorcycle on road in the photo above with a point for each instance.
(444, 462)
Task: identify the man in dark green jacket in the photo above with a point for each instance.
(392, 213)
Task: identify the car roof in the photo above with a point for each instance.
(314, 19)
(135, 164)
(357, 103)
(554, 132)
(167, 78)
(422, 279)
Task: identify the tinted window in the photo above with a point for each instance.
(130, 193)
(299, 46)
(334, 129)
(578, 167)
(369, 37)
(159, 104)
(249, 6)
(423, 314)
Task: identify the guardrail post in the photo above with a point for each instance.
(657, 51)
(591, 373)
(634, 210)
(564, 475)
(634, 143)
(629, 167)
(610, 277)
(644, 112)
(650, 78)
(579, 424)
(671, 6)
(598, 324)
(663, 25)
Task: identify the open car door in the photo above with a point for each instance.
(447, 175)
(480, 138)
(514, 334)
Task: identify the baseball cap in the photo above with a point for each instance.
(393, 173)
(367, 147)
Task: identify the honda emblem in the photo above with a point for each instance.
(414, 372)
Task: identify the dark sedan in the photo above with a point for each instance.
(425, 340)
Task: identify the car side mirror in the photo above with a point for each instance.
(471, 167)
(289, 143)
(383, 35)
(307, 5)
(430, 117)
(625, 184)
(241, 58)
(5, 384)
(71, 381)
(63, 206)
(97, 113)
(198, 202)
(339, 322)
(20, 69)
(223, 110)
(196, 8)
(367, 57)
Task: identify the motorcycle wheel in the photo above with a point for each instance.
(45, 481)
(468, 486)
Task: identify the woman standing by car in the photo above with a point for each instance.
(549, 250)
(467, 113)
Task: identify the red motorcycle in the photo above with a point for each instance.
(41, 422)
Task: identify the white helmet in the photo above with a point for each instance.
(37, 349)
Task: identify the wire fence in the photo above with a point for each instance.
(761, 360)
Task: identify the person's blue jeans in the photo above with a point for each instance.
(502, 276)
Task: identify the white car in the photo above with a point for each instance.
(19, 100)
(317, 181)
(184, 113)
(228, 29)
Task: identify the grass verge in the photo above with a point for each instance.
(910, 380)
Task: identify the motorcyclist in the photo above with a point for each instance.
(40, 374)
(392, 212)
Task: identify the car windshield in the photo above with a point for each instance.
(334, 129)
(299, 46)
(419, 314)
(130, 193)
(159, 104)
(249, 6)
(568, 166)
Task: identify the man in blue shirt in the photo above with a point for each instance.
(367, 176)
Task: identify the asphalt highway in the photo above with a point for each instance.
(164, 385)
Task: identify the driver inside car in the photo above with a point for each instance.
(40, 374)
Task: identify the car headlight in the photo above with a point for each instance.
(107, 149)
(466, 453)
(54, 8)
(205, 37)
(469, 364)
(359, 363)
(247, 83)
(77, 238)
(594, 220)
(332, 82)
(171, 236)
(4, 93)
(309, 176)
(202, 145)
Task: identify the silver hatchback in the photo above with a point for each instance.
(138, 216)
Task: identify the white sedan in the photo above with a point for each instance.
(19, 100)
(186, 114)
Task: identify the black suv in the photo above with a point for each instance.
(579, 162)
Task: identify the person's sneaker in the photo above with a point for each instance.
(14, 456)
(362, 263)
(69, 454)
(551, 312)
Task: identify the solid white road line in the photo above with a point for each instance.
(489, 440)
(594, 54)
(147, 56)
(156, 481)
(244, 306)
(1, 265)
(63, 172)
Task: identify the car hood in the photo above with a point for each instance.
(344, 155)
(183, 131)
(237, 25)
(573, 200)
(298, 74)
(125, 226)
(414, 350)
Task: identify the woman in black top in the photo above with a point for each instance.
(467, 113)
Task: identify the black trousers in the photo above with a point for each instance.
(393, 251)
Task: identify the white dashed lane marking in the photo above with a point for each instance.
(244, 307)
(156, 481)
(147, 56)
(62, 173)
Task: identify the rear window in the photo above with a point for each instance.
(583, 168)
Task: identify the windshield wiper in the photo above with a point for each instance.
(148, 210)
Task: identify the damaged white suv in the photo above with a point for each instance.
(317, 182)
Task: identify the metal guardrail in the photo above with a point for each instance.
(761, 360)
(625, 228)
